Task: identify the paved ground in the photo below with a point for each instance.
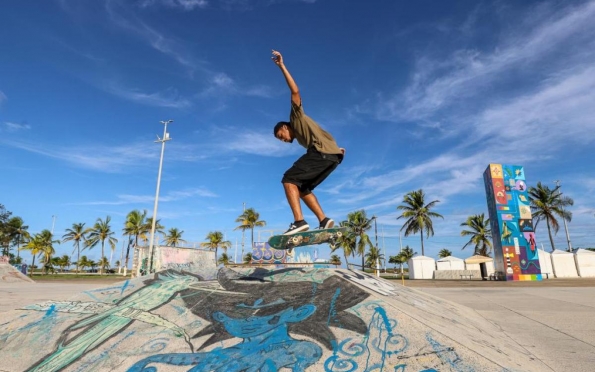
(427, 325)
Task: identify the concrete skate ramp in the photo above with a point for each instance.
(288, 319)
(9, 274)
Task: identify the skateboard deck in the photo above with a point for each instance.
(309, 237)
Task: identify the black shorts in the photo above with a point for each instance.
(311, 169)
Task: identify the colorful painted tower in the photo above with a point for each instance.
(515, 251)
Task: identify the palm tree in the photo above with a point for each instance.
(418, 215)
(174, 237)
(159, 229)
(215, 241)
(76, 234)
(546, 204)
(405, 255)
(225, 259)
(100, 232)
(35, 246)
(103, 263)
(135, 225)
(48, 250)
(335, 260)
(480, 233)
(83, 262)
(444, 253)
(247, 258)
(92, 265)
(18, 231)
(358, 223)
(346, 242)
(63, 262)
(249, 220)
(373, 256)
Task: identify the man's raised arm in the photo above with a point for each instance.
(295, 92)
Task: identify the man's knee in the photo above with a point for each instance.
(304, 193)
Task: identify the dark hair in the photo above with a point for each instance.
(278, 126)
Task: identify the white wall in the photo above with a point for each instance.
(421, 267)
(564, 264)
(585, 263)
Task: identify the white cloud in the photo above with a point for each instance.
(260, 143)
(438, 84)
(14, 127)
(181, 4)
(2, 97)
(167, 98)
(154, 38)
(147, 199)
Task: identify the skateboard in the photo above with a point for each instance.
(310, 237)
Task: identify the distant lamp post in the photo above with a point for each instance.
(154, 222)
(564, 219)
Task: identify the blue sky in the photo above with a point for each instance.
(421, 94)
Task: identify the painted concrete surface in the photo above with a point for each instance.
(292, 319)
(554, 324)
(9, 274)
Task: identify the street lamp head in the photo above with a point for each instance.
(166, 121)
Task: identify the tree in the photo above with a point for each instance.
(373, 256)
(103, 263)
(100, 232)
(159, 229)
(346, 243)
(63, 262)
(405, 255)
(48, 250)
(546, 204)
(335, 260)
(35, 246)
(444, 253)
(480, 233)
(225, 259)
(215, 241)
(418, 215)
(174, 237)
(5, 236)
(247, 258)
(357, 224)
(135, 225)
(248, 221)
(83, 262)
(17, 230)
(76, 234)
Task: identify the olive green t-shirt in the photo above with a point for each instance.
(309, 134)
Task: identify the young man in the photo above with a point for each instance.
(322, 157)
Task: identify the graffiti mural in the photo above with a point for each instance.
(248, 319)
(262, 253)
(514, 244)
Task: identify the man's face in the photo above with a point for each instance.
(284, 134)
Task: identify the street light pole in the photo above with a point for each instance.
(154, 222)
(564, 219)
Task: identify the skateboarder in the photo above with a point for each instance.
(322, 157)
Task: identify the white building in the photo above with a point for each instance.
(421, 267)
(450, 263)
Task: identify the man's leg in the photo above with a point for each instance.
(312, 203)
(293, 198)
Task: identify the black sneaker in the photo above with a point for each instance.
(296, 227)
(327, 223)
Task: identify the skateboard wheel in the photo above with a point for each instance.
(295, 240)
(339, 234)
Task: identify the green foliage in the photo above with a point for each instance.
(174, 237)
(546, 204)
(214, 241)
(99, 233)
(248, 220)
(418, 215)
(480, 234)
(335, 260)
(444, 253)
(357, 224)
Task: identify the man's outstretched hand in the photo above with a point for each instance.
(277, 58)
